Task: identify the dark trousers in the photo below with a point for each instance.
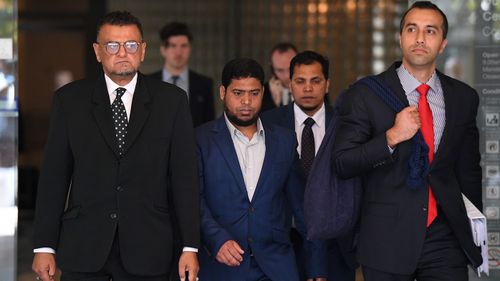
(338, 269)
(442, 258)
(112, 270)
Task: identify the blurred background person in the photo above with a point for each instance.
(276, 91)
(176, 50)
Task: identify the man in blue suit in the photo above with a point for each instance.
(309, 86)
(248, 179)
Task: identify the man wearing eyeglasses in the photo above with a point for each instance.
(118, 149)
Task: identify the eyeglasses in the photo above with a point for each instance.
(114, 47)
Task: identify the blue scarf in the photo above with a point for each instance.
(418, 164)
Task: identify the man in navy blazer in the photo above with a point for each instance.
(176, 46)
(309, 86)
(248, 179)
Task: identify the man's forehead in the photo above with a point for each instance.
(238, 82)
(427, 17)
(111, 30)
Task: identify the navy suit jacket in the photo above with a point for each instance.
(201, 97)
(393, 217)
(285, 117)
(259, 226)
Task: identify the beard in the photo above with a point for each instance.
(238, 122)
(125, 73)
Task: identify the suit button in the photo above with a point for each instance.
(252, 209)
(119, 188)
(250, 240)
(424, 209)
(113, 216)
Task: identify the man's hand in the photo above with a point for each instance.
(230, 253)
(44, 266)
(316, 279)
(405, 126)
(188, 262)
(276, 90)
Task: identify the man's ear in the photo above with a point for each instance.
(222, 92)
(97, 51)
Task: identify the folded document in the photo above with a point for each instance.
(479, 233)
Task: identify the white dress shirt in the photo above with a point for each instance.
(250, 154)
(127, 96)
(318, 128)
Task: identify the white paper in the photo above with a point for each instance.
(479, 233)
(6, 48)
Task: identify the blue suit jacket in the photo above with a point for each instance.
(259, 226)
(341, 260)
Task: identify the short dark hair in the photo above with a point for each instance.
(429, 6)
(174, 29)
(242, 68)
(120, 18)
(283, 47)
(308, 58)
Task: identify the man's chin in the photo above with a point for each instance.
(246, 122)
(125, 73)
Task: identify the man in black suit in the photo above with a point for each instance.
(414, 231)
(309, 86)
(119, 147)
(276, 90)
(176, 50)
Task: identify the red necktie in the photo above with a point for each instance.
(427, 130)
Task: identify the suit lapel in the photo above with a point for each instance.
(267, 166)
(102, 114)
(450, 109)
(328, 115)
(392, 79)
(225, 144)
(139, 112)
(289, 117)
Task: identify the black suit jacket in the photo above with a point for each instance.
(393, 218)
(109, 194)
(201, 98)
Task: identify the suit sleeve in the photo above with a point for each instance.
(356, 149)
(54, 180)
(467, 167)
(213, 235)
(183, 171)
(316, 251)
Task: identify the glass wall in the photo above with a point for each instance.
(8, 140)
(473, 56)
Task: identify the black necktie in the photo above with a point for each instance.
(174, 79)
(307, 146)
(119, 119)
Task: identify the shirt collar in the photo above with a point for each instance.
(318, 117)
(167, 76)
(111, 85)
(234, 131)
(411, 83)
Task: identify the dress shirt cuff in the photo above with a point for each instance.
(390, 149)
(44, 250)
(189, 249)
